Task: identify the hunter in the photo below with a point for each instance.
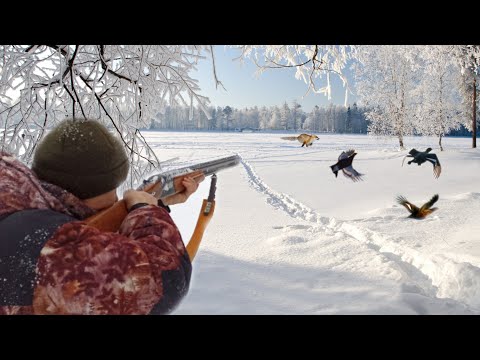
(53, 262)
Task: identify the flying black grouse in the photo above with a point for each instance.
(345, 164)
(420, 157)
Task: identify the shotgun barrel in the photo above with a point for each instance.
(167, 183)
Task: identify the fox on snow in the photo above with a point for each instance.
(305, 139)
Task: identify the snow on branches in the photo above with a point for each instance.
(311, 62)
(122, 86)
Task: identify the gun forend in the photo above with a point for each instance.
(169, 182)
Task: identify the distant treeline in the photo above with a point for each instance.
(331, 118)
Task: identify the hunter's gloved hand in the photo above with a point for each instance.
(133, 197)
(191, 185)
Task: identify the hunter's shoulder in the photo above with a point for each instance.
(148, 215)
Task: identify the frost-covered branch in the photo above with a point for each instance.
(122, 86)
(217, 82)
(312, 62)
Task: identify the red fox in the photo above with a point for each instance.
(305, 139)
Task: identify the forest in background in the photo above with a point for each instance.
(332, 118)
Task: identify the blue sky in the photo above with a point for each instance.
(245, 89)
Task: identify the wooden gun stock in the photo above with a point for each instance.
(202, 222)
(110, 219)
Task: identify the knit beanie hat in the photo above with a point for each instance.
(82, 157)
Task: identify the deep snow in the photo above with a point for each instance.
(290, 238)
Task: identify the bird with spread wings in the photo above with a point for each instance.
(345, 164)
(419, 157)
(416, 212)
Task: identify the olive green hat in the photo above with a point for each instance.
(82, 157)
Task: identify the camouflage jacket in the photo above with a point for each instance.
(52, 262)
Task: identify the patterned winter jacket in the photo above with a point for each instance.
(51, 262)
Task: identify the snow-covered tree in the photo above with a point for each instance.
(348, 121)
(220, 119)
(468, 58)
(264, 118)
(212, 123)
(329, 118)
(296, 115)
(201, 118)
(384, 81)
(285, 117)
(275, 119)
(227, 112)
(253, 116)
(313, 120)
(339, 118)
(469, 88)
(439, 108)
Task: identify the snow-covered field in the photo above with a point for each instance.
(290, 238)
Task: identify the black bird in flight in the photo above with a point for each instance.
(345, 164)
(419, 157)
(415, 212)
